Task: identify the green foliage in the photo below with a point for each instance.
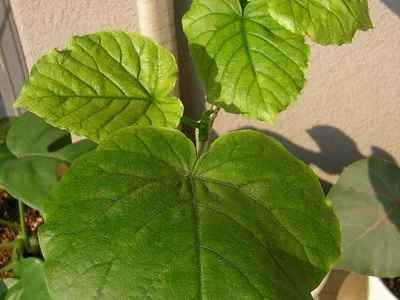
(248, 62)
(366, 199)
(28, 284)
(5, 153)
(5, 124)
(326, 22)
(103, 82)
(29, 171)
(140, 218)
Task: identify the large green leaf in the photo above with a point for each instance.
(325, 21)
(247, 61)
(103, 82)
(29, 284)
(37, 148)
(139, 218)
(366, 200)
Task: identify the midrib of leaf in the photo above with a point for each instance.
(384, 217)
(197, 233)
(246, 46)
(100, 97)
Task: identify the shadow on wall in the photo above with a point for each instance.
(394, 5)
(336, 150)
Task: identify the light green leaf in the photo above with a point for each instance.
(30, 284)
(325, 21)
(246, 221)
(37, 149)
(366, 200)
(103, 82)
(247, 61)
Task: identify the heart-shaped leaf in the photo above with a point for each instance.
(367, 202)
(248, 62)
(139, 218)
(29, 284)
(37, 148)
(103, 82)
(325, 21)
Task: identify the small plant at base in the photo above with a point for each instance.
(31, 151)
(366, 199)
(144, 215)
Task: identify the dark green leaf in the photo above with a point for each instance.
(326, 22)
(31, 173)
(103, 82)
(367, 200)
(30, 284)
(5, 153)
(5, 124)
(3, 289)
(139, 218)
(247, 61)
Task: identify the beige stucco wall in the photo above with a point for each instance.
(349, 105)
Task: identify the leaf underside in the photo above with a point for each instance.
(103, 82)
(248, 62)
(325, 22)
(139, 218)
(29, 171)
(367, 202)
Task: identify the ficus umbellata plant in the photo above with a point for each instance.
(149, 215)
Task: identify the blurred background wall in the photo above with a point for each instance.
(348, 110)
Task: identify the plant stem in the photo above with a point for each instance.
(24, 230)
(7, 245)
(190, 122)
(18, 251)
(9, 224)
(204, 129)
(21, 208)
(7, 267)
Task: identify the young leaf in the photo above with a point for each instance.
(248, 62)
(31, 173)
(103, 82)
(30, 283)
(326, 22)
(366, 200)
(139, 218)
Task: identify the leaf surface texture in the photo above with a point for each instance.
(145, 220)
(103, 82)
(249, 63)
